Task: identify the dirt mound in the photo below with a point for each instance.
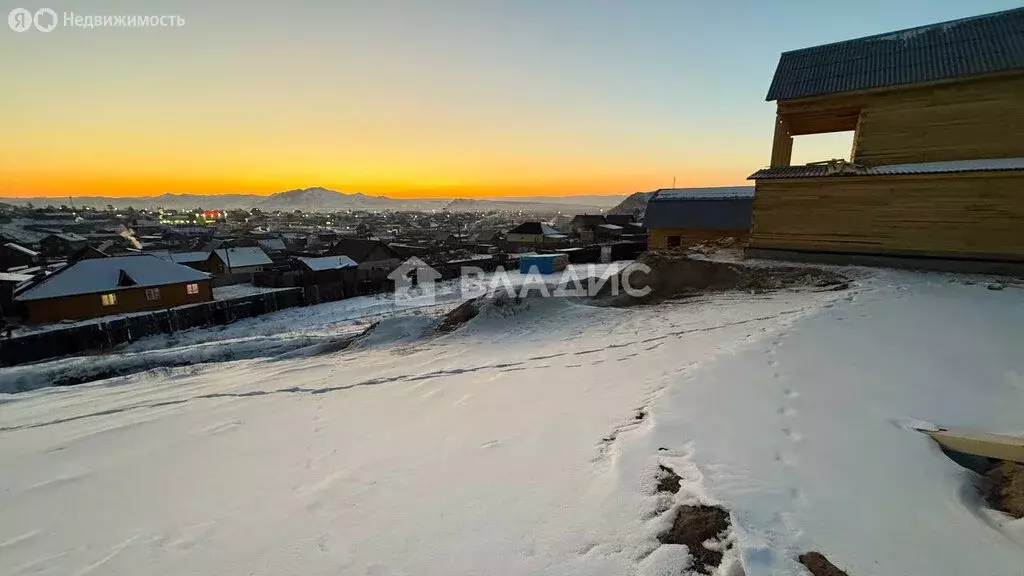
(1003, 488)
(695, 525)
(460, 315)
(674, 273)
(819, 565)
(394, 331)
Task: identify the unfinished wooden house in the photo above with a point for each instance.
(937, 165)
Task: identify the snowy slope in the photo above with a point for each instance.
(513, 446)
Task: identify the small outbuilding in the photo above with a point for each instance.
(241, 260)
(683, 216)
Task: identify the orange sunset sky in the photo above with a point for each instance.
(409, 99)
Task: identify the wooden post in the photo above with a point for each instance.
(782, 146)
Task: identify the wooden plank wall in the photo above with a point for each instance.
(980, 118)
(973, 215)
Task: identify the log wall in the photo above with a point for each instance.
(963, 120)
(967, 215)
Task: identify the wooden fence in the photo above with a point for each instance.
(104, 335)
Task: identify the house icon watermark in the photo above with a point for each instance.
(415, 284)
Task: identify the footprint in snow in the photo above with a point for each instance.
(787, 412)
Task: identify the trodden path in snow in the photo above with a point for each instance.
(530, 444)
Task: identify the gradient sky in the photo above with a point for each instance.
(414, 98)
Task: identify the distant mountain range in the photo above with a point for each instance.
(324, 200)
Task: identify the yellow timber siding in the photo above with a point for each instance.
(963, 120)
(972, 215)
(657, 238)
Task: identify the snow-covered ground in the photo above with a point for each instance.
(241, 291)
(528, 442)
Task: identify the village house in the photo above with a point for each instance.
(534, 236)
(272, 246)
(937, 161)
(9, 281)
(62, 244)
(242, 260)
(341, 271)
(685, 216)
(199, 259)
(582, 223)
(14, 255)
(370, 254)
(116, 285)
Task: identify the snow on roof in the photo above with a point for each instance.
(328, 263)
(992, 164)
(161, 254)
(71, 237)
(719, 193)
(198, 256)
(609, 226)
(11, 277)
(97, 275)
(272, 244)
(946, 167)
(22, 249)
(243, 257)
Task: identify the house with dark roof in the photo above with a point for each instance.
(114, 285)
(239, 260)
(534, 235)
(62, 244)
(685, 216)
(12, 254)
(937, 161)
(368, 253)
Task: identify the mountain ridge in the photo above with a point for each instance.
(320, 199)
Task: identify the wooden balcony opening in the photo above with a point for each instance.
(811, 121)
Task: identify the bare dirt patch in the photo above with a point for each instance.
(819, 565)
(459, 315)
(1003, 488)
(668, 480)
(695, 525)
(675, 274)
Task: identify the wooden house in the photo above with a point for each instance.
(370, 254)
(685, 216)
(240, 260)
(62, 244)
(534, 236)
(14, 255)
(937, 160)
(115, 285)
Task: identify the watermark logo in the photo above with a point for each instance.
(46, 19)
(21, 19)
(414, 284)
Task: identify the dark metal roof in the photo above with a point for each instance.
(948, 167)
(718, 193)
(954, 49)
(789, 172)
